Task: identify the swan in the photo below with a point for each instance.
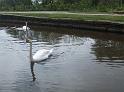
(23, 28)
(40, 55)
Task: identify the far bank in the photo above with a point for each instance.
(69, 22)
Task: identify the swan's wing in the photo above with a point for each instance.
(19, 28)
(24, 28)
(41, 55)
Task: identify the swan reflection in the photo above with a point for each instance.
(32, 70)
(39, 56)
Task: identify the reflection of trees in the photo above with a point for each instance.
(16, 34)
(108, 50)
(45, 36)
(40, 36)
(110, 46)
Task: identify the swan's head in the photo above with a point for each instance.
(28, 40)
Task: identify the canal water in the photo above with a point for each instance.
(82, 61)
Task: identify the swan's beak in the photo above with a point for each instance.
(28, 40)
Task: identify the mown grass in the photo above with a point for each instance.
(74, 16)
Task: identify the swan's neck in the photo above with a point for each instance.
(26, 29)
(26, 25)
(31, 58)
(31, 61)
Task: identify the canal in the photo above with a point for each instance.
(82, 61)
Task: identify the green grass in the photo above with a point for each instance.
(74, 16)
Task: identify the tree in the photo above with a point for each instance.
(15, 4)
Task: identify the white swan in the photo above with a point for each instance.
(40, 54)
(23, 28)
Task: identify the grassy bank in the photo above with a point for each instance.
(73, 16)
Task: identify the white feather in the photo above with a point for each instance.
(42, 55)
(24, 28)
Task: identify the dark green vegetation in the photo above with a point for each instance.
(62, 5)
(11, 5)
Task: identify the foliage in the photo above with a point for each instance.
(15, 5)
(62, 5)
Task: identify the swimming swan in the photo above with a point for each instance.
(23, 28)
(40, 54)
